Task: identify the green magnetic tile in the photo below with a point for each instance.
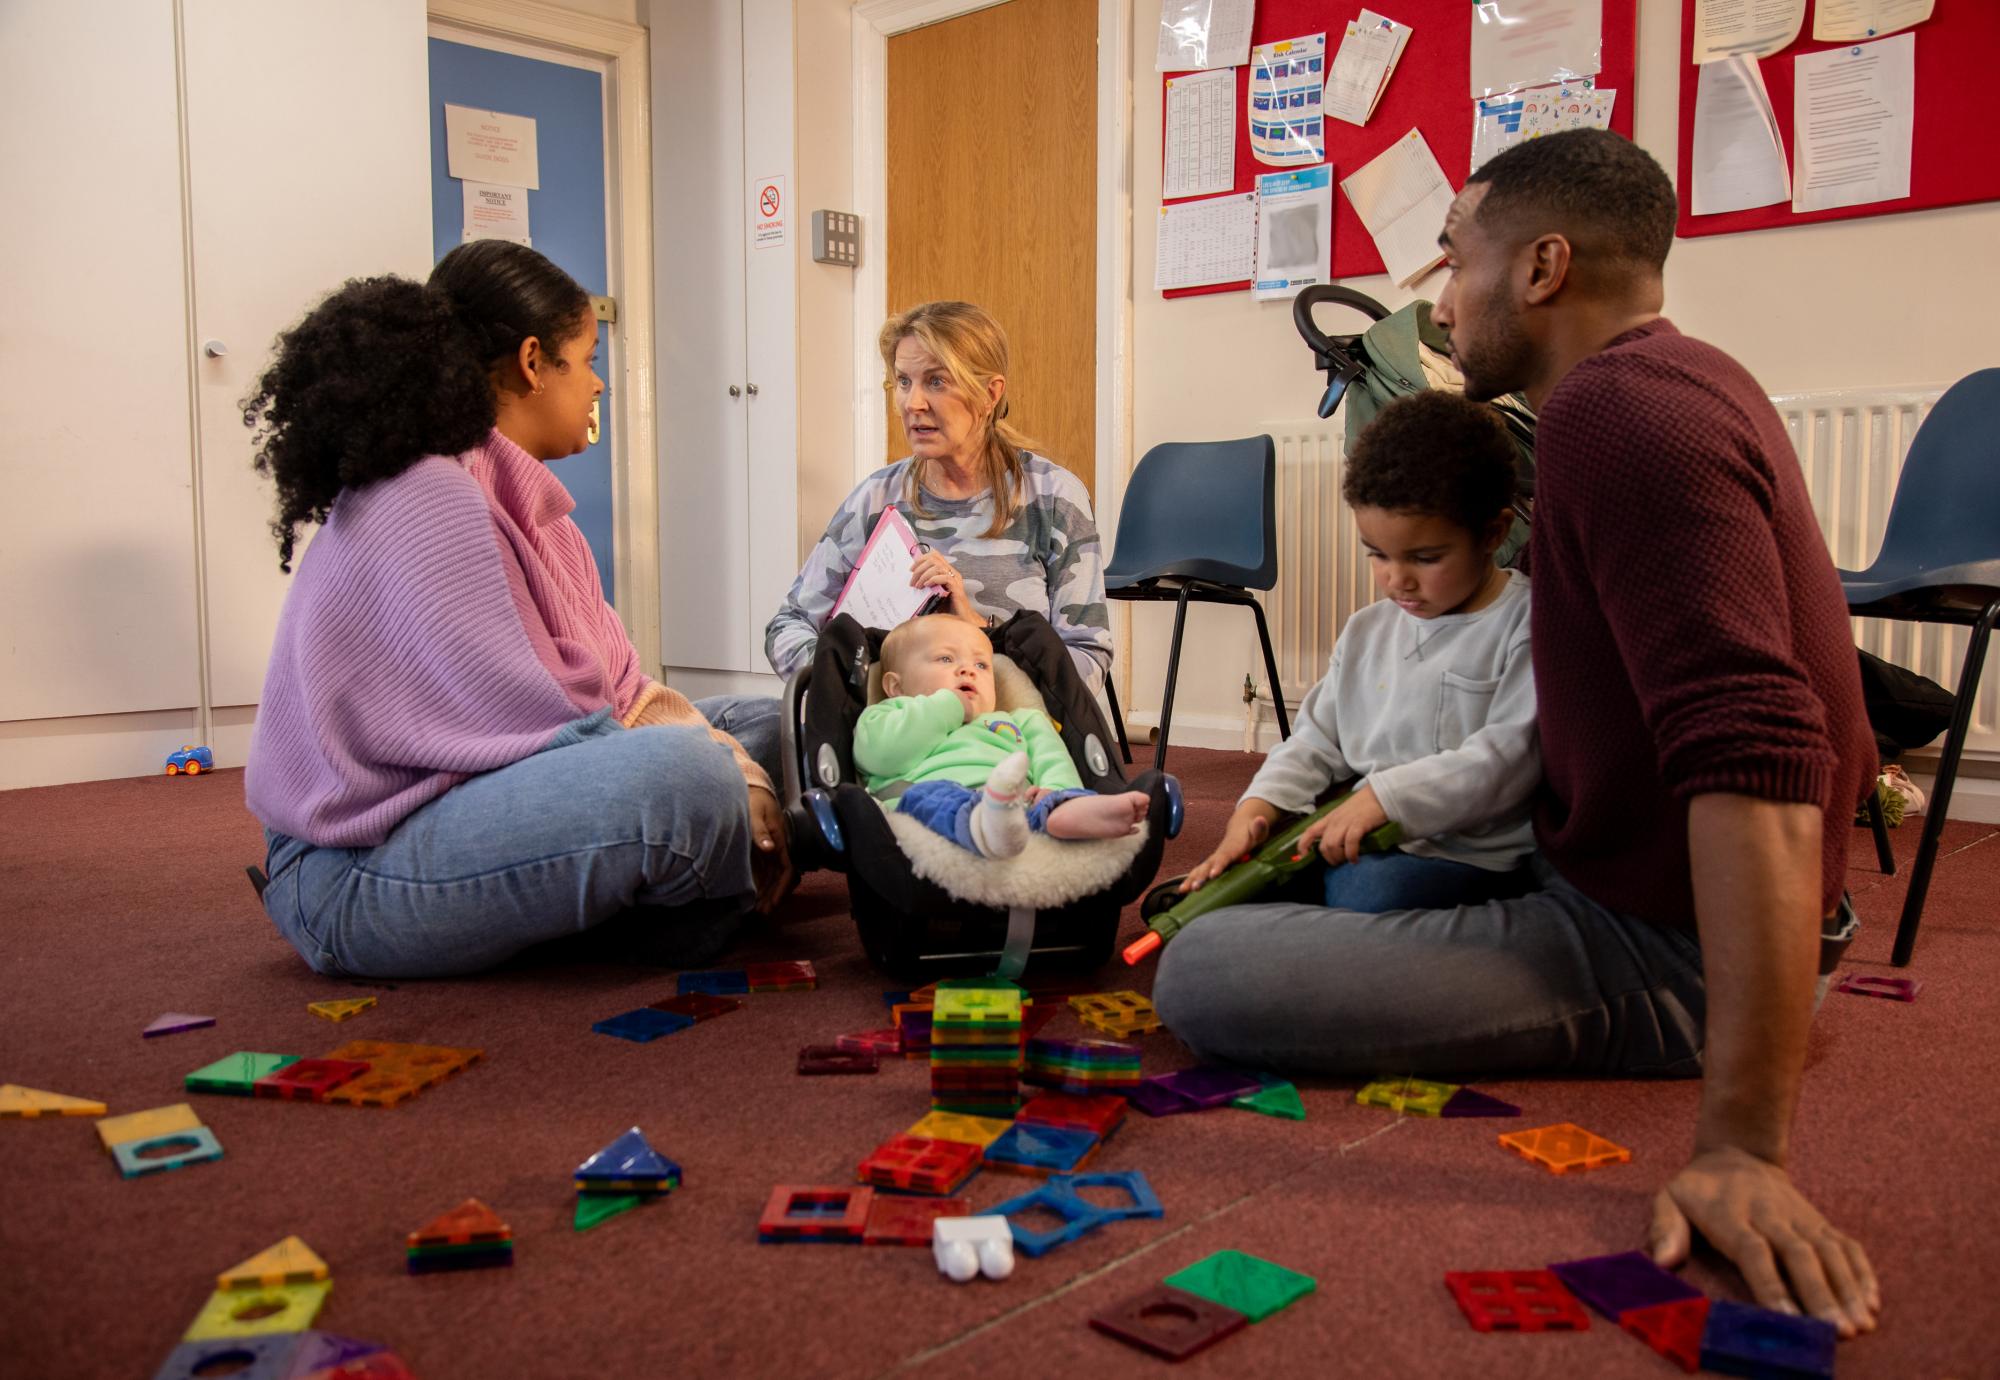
(235, 1073)
(1246, 1283)
(1276, 1098)
(593, 1208)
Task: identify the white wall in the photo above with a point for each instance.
(1905, 299)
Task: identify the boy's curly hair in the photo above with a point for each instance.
(386, 371)
(1434, 452)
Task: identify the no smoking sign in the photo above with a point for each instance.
(768, 212)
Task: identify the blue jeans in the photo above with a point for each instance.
(1549, 982)
(645, 827)
(945, 808)
(1396, 880)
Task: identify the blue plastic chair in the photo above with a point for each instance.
(1199, 524)
(1940, 563)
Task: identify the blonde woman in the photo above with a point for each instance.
(1006, 529)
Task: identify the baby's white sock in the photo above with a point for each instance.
(1000, 819)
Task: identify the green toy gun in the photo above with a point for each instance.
(1278, 860)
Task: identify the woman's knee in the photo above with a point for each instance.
(681, 777)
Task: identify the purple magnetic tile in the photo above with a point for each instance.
(1894, 988)
(1615, 1284)
(319, 1351)
(174, 1022)
(1153, 1097)
(1207, 1088)
(1467, 1102)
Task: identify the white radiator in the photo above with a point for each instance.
(1851, 443)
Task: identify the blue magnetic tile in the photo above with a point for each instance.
(323, 1350)
(132, 1164)
(242, 1358)
(628, 1157)
(1763, 1345)
(1145, 1202)
(1054, 1148)
(728, 982)
(1079, 1219)
(642, 1025)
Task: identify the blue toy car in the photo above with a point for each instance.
(190, 759)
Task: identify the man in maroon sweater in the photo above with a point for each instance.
(1701, 728)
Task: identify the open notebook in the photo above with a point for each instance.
(878, 593)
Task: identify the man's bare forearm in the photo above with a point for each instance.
(1756, 874)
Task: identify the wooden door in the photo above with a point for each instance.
(992, 133)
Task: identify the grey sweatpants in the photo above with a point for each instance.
(1550, 982)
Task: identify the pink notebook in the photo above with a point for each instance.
(878, 593)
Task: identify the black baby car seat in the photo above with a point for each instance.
(911, 927)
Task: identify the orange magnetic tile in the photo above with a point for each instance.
(377, 1088)
(1563, 1147)
(470, 1221)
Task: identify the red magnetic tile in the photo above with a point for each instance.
(308, 1080)
(698, 1006)
(894, 1221)
(803, 1212)
(378, 1365)
(1894, 988)
(1672, 1329)
(1516, 1301)
(920, 1164)
(767, 977)
(877, 1042)
(1098, 1115)
(832, 1059)
(1169, 1322)
(470, 1221)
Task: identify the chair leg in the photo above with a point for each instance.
(1954, 744)
(1117, 719)
(1173, 670)
(1885, 857)
(1271, 671)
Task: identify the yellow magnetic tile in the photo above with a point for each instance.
(340, 1010)
(17, 1101)
(1412, 1096)
(291, 1261)
(255, 1312)
(159, 1121)
(973, 1130)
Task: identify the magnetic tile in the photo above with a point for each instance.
(1100, 1115)
(1040, 1149)
(1131, 1182)
(698, 1006)
(236, 1073)
(721, 983)
(137, 1159)
(1761, 1344)
(340, 1010)
(28, 1103)
(1563, 1147)
(291, 1261)
(1894, 988)
(821, 1059)
(1169, 1322)
(876, 1042)
(318, 1351)
(1250, 1285)
(973, 1130)
(158, 1121)
(1471, 1102)
(630, 1156)
(378, 1365)
(1672, 1329)
(899, 1221)
(1516, 1301)
(1410, 1096)
(1210, 1087)
(1274, 1097)
(643, 1025)
(593, 1208)
(471, 1221)
(174, 1022)
(240, 1358)
(804, 1212)
(255, 1312)
(780, 977)
(308, 1080)
(1614, 1284)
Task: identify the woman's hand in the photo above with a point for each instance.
(1340, 835)
(1247, 829)
(933, 568)
(771, 857)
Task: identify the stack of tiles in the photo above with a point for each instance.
(469, 1237)
(913, 1028)
(1084, 1067)
(976, 1047)
(158, 1140)
(1116, 1013)
(628, 1165)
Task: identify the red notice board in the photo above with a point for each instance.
(1430, 90)
(1951, 154)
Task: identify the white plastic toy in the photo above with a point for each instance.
(967, 1246)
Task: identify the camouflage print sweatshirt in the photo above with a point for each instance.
(1047, 559)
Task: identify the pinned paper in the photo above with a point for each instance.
(494, 212)
(1847, 21)
(1200, 153)
(1370, 48)
(1198, 34)
(1518, 43)
(1402, 197)
(1745, 28)
(1851, 122)
(1286, 82)
(1500, 122)
(1206, 242)
(490, 146)
(1294, 231)
(1739, 155)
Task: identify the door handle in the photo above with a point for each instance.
(734, 391)
(751, 389)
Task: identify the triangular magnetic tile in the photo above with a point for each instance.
(16, 1100)
(1470, 1102)
(291, 1261)
(471, 1220)
(593, 1208)
(628, 1157)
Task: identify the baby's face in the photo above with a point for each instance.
(947, 655)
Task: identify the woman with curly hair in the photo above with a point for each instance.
(457, 755)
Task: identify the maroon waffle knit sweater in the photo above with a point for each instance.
(1689, 632)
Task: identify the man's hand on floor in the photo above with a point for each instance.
(1750, 1210)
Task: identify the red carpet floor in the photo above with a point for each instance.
(126, 899)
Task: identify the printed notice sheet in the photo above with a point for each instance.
(1294, 231)
(1739, 155)
(1201, 134)
(1286, 82)
(1402, 197)
(1500, 122)
(1205, 242)
(487, 146)
(493, 212)
(878, 593)
(1369, 50)
(1196, 34)
(1851, 123)
(1849, 21)
(1534, 43)
(1745, 28)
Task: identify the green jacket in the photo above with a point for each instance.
(913, 738)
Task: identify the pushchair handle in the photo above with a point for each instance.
(1334, 354)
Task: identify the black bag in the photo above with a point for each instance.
(1906, 710)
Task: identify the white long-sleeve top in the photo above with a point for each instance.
(1438, 715)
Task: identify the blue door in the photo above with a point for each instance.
(566, 216)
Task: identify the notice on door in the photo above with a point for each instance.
(495, 213)
(487, 146)
(768, 212)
